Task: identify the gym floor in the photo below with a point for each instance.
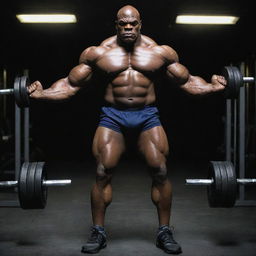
(131, 220)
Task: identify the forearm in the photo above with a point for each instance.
(60, 90)
(198, 86)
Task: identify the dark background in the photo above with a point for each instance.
(65, 130)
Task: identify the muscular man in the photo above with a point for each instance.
(130, 63)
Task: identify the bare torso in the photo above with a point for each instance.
(130, 74)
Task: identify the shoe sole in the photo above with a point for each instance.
(95, 251)
(168, 251)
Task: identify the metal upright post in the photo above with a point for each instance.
(17, 141)
(228, 127)
(242, 140)
(15, 203)
(235, 134)
(4, 96)
(26, 134)
(26, 128)
(242, 135)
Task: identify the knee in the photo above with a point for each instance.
(104, 172)
(158, 173)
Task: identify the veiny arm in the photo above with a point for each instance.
(194, 85)
(66, 87)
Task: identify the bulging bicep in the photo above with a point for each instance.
(177, 73)
(80, 74)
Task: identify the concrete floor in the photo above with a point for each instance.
(131, 220)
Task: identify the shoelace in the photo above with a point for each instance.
(96, 236)
(166, 236)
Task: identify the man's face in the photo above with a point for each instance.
(128, 29)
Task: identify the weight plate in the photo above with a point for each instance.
(222, 193)
(32, 193)
(16, 88)
(230, 90)
(232, 184)
(40, 190)
(214, 190)
(224, 184)
(31, 187)
(22, 185)
(24, 83)
(238, 78)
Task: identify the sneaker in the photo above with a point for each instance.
(96, 241)
(166, 242)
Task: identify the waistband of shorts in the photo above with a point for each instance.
(129, 109)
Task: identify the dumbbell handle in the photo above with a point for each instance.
(53, 183)
(47, 183)
(248, 79)
(6, 91)
(207, 182)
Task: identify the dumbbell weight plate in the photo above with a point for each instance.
(20, 91)
(222, 193)
(40, 190)
(32, 193)
(232, 184)
(238, 79)
(17, 91)
(22, 185)
(214, 190)
(31, 199)
(234, 81)
(24, 83)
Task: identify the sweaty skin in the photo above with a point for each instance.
(130, 63)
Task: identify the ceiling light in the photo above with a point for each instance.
(46, 18)
(206, 19)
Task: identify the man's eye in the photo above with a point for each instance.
(121, 23)
(134, 23)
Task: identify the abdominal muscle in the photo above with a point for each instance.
(130, 89)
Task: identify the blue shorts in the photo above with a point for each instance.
(135, 118)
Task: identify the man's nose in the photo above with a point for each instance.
(128, 27)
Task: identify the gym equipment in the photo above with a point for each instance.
(32, 185)
(235, 80)
(19, 90)
(221, 184)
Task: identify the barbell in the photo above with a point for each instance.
(19, 91)
(235, 80)
(33, 185)
(221, 184)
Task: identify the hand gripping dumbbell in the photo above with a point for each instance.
(235, 80)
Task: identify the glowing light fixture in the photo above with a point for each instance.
(46, 18)
(206, 19)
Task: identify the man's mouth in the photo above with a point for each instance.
(128, 35)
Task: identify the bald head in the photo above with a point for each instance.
(128, 25)
(128, 11)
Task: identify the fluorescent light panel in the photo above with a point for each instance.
(46, 18)
(206, 19)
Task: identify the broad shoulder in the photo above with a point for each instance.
(109, 42)
(91, 53)
(147, 41)
(167, 52)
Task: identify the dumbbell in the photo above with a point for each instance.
(235, 80)
(221, 184)
(19, 91)
(33, 185)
